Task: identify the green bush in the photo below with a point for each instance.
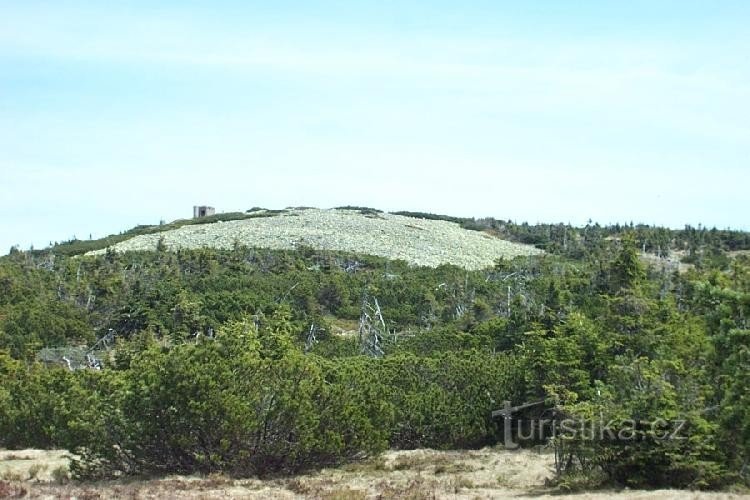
(247, 403)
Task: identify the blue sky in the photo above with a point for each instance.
(116, 114)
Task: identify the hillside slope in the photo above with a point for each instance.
(417, 241)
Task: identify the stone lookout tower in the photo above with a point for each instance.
(202, 211)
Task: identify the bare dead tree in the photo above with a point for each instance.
(93, 362)
(67, 362)
(463, 298)
(507, 312)
(352, 266)
(311, 338)
(372, 329)
(286, 295)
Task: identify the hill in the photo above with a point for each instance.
(421, 242)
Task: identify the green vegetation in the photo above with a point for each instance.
(214, 366)
(362, 210)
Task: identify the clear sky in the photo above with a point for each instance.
(121, 113)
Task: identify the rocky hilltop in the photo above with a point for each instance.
(420, 242)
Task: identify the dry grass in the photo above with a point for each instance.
(10, 489)
(411, 475)
(738, 253)
(343, 327)
(33, 465)
(13, 456)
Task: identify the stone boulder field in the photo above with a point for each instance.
(420, 242)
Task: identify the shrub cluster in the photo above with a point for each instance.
(249, 402)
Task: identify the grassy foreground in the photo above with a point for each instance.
(415, 474)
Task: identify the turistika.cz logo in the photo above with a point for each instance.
(559, 426)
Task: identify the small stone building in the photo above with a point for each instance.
(202, 211)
